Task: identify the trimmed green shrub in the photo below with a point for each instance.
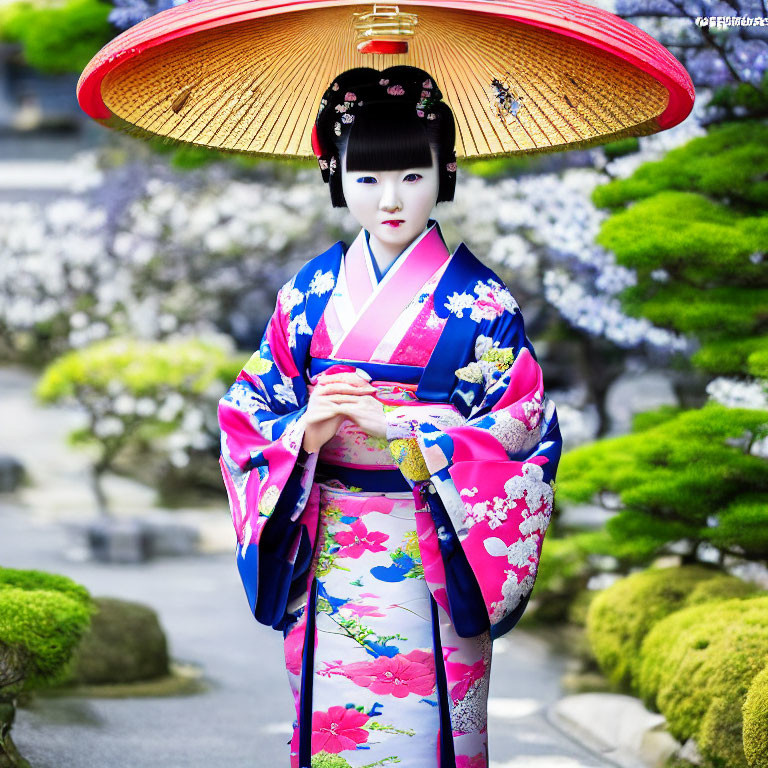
(755, 714)
(620, 616)
(51, 582)
(693, 227)
(689, 478)
(46, 621)
(696, 667)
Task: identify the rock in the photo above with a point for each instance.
(118, 541)
(125, 643)
(171, 538)
(690, 752)
(11, 473)
(617, 726)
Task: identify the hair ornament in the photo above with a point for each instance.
(339, 107)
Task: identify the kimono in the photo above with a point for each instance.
(390, 564)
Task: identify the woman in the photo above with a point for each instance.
(389, 453)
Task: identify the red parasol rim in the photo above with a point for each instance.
(569, 18)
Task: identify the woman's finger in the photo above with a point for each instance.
(351, 377)
(340, 387)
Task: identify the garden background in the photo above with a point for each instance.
(136, 279)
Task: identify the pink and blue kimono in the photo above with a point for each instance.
(390, 564)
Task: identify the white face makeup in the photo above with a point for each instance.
(406, 196)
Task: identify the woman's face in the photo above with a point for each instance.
(406, 196)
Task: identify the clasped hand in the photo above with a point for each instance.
(339, 396)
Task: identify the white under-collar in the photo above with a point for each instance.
(369, 257)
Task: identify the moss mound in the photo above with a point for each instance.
(697, 665)
(619, 617)
(42, 617)
(755, 714)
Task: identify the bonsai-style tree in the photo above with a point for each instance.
(679, 481)
(42, 618)
(135, 390)
(694, 228)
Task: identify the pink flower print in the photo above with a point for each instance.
(369, 594)
(384, 81)
(363, 610)
(420, 112)
(489, 308)
(427, 83)
(425, 94)
(293, 646)
(331, 668)
(395, 90)
(397, 676)
(338, 729)
(451, 167)
(335, 86)
(469, 675)
(359, 539)
(349, 96)
(476, 761)
(421, 657)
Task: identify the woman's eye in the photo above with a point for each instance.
(417, 175)
(366, 179)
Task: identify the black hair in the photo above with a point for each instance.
(382, 130)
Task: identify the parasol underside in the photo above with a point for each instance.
(254, 86)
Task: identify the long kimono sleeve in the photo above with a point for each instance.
(487, 479)
(267, 475)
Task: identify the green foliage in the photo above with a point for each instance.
(755, 713)
(693, 226)
(735, 97)
(50, 582)
(734, 356)
(697, 665)
(673, 478)
(757, 361)
(499, 167)
(563, 562)
(136, 393)
(45, 615)
(621, 147)
(620, 616)
(729, 164)
(692, 237)
(564, 569)
(142, 368)
(57, 36)
(647, 419)
(329, 760)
